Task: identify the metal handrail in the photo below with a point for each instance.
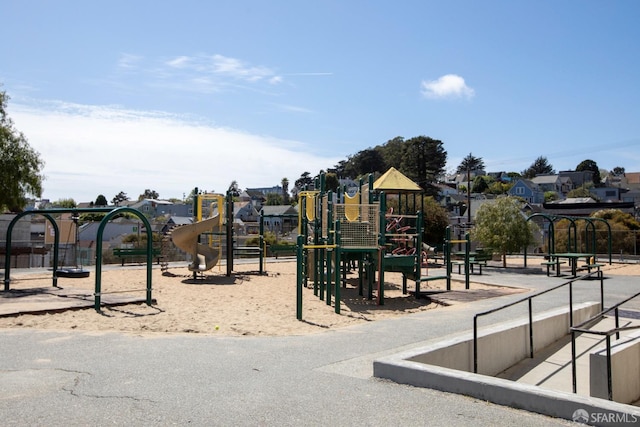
(607, 334)
(529, 300)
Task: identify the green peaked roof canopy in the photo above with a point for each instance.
(394, 181)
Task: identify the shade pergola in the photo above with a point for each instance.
(395, 182)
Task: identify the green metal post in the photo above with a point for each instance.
(418, 273)
(447, 255)
(261, 242)
(229, 232)
(467, 248)
(299, 275)
(382, 242)
(337, 255)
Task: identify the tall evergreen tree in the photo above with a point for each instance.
(590, 165)
(540, 166)
(470, 163)
(20, 164)
(425, 159)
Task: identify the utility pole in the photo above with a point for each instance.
(468, 196)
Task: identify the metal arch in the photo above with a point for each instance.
(47, 213)
(551, 238)
(103, 224)
(589, 220)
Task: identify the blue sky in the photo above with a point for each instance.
(166, 95)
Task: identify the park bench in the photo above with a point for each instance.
(478, 258)
(276, 250)
(135, 254)
(591, 266)
(249, 251)
(556, 265)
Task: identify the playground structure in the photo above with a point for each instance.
(211, 237)
(338, 229)
(206, 255)
(50, 214)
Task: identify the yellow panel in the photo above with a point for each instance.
(352, 207)
(311, 207)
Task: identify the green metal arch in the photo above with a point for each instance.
(103, 224)
(572, 219)
(110, 213)
(47, 213)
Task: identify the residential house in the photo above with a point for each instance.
(256, 197)
(527, 190)
(153, 208)
(553, 183)
(280, 219)
(629, 180)
(245, 218)
(266, 190)
(606, 194)
(502, 177)
(176, 221)
(350, 186)
(578, 178)
(584, 206)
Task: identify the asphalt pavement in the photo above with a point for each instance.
(73, 378)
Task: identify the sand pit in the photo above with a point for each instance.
(244, 304)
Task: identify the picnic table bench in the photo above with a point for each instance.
(247, 250)
(276, 250)
(135, 253)
(556, 265)
(479, 257)
(590, 266)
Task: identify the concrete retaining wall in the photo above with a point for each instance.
(625, 365)
(504, 345)
(446, 366)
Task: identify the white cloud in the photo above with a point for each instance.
(92, 150)
(447, 86)
(128, 61)
(223, 67)
(179, 62)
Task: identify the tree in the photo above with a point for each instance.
(582, 192)
(285, 191)
(304, 181)
(624, 228)
(498, 187)
(470, 163)
(101, 201)
(65, 203)
(424, 160)
(20, 164)
(148, 194)
(367, 161)
(436, 220)
(550, 196)
(273, 199)
(331, 182)
(392, 152)
(481, 184)
(234, 188)
(590, 165)
(618, 171)
(503, 227)
(119, 198)
(539, 167)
